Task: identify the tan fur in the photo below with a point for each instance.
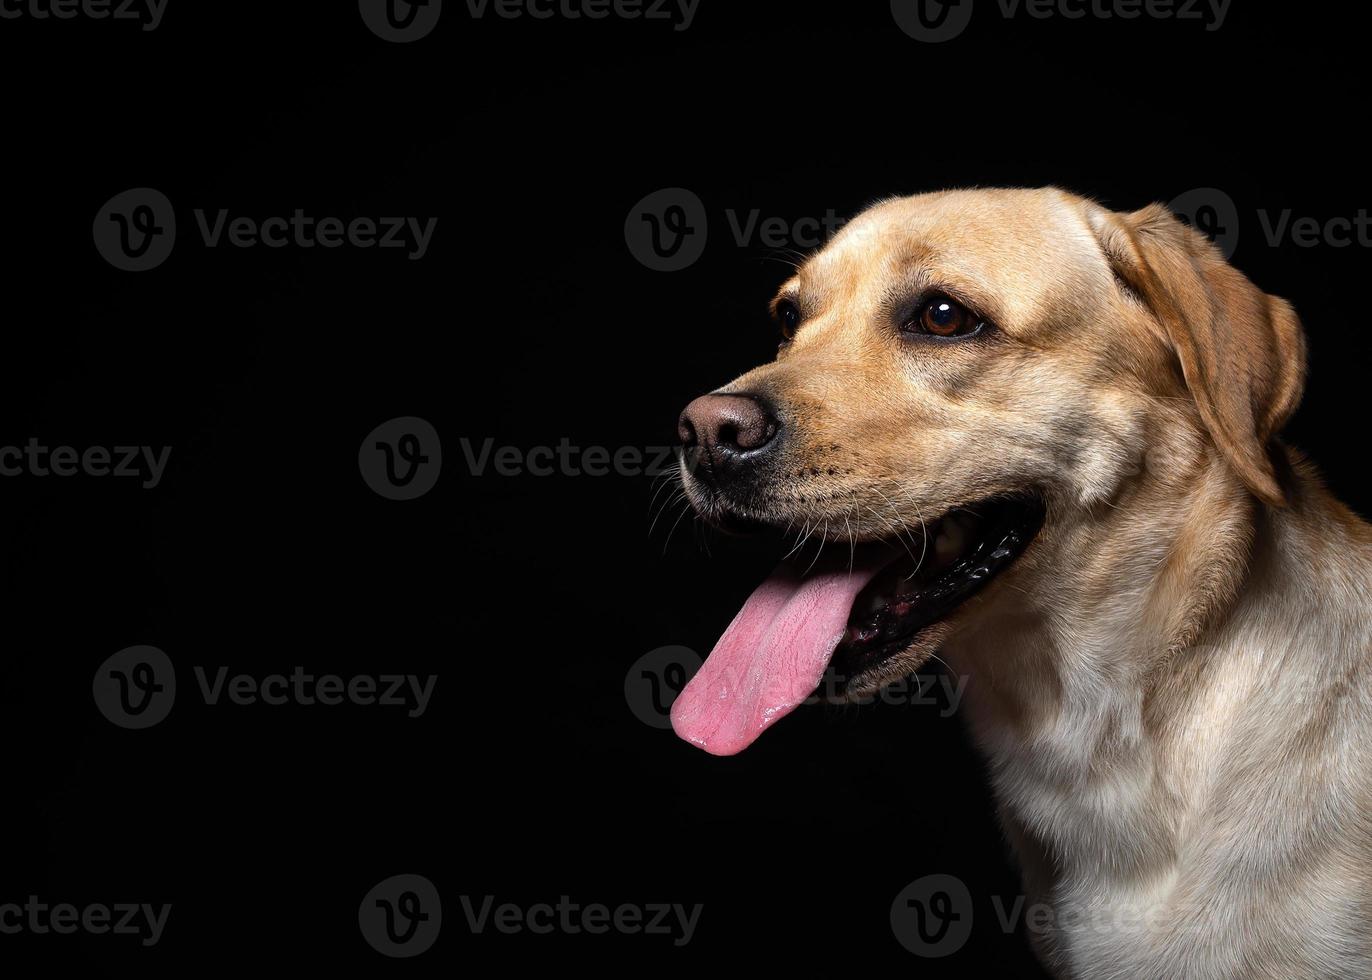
(1172, 685)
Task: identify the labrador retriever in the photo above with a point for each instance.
(1042, 439)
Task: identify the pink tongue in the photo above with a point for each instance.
(770, 659)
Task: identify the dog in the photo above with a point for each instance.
(1043, 439)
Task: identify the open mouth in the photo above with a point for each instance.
(849, 623)
(962, 552)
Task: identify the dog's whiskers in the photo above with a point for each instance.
(852, 544)
(684, 511)
(924, 551)
(665, 482)
(823, 540)
(805, 535)
(702, 530)
(924, 529)
(667, 504)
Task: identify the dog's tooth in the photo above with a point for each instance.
(950, 541)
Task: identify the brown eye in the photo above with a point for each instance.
(788, 318)
(943, 317)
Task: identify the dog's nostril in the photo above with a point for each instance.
(686, 432)
(755, 435)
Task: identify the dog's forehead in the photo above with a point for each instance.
(1014, 250)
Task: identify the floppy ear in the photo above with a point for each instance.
(1242, 352)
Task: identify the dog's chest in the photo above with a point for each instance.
(1100, 878)
(1098, 805)
(1132, 868)
(1083, 803)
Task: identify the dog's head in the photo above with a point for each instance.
(956, 370)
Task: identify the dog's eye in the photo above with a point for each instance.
(788, 318)
(943, 317)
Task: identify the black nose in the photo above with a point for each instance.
(724, 431)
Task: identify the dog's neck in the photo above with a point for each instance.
(1128, 721)
(1071, 665)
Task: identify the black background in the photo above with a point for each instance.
(528, 321)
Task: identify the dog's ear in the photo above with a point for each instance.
(1242, 352)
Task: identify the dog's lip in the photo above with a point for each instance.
(890, 618)
(731, 522)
